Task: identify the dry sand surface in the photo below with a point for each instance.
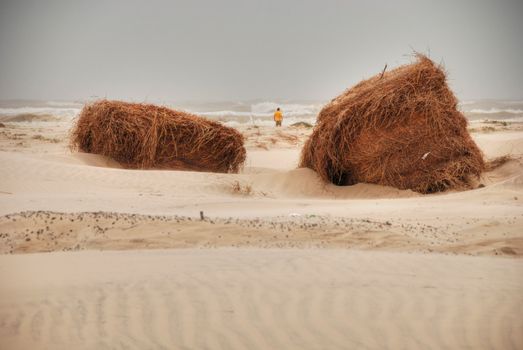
(260, 299)
(363, 266)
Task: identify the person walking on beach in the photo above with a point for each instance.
(278, 116)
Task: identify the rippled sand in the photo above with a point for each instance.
(259, 299)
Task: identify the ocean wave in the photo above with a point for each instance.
(58, 112)
(290, 109)
(260, 113)
(265, 110)
(496, 111)
(67, 104)
(232, 114)
(269, 122)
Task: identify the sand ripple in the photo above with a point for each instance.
(259, 299)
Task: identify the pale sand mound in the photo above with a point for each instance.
(500, 143)
(281, 206)
(259, 299)
(96, 160)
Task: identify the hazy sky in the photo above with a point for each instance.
(237, 50)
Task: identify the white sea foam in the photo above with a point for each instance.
(259, 113)
(59, 112)
(225, 114)
(266, 109)
(464, 103)
(496, 111)
(63, 104)
(269, 122)
(262, 113)
(289, 109)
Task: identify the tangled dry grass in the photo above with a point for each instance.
(498, 162)
(399, 128)
(145, 136)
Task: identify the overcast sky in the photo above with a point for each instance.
(238, 50)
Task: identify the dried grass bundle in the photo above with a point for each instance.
(399, 128)
(145, 136)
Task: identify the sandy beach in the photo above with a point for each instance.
(272, 175)
(122, 258)
(259, 299)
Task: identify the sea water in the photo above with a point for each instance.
(243, 112)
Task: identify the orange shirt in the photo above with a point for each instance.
(278, 116)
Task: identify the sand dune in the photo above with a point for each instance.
(259, 299)
(281, 259)
(262, 207)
